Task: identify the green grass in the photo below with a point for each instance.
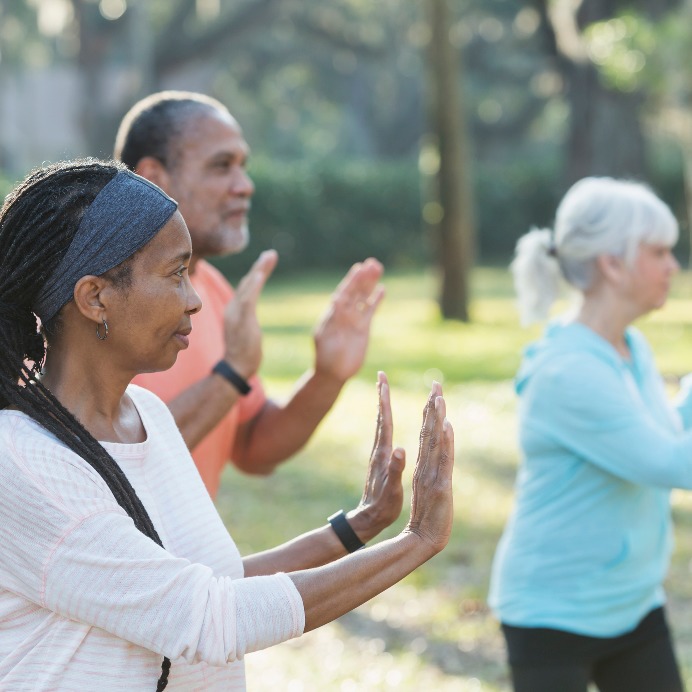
(433, 630)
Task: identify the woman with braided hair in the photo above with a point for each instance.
(114, 558)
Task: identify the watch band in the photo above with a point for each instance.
(345, 532)
(228, 373)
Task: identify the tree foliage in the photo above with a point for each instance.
(553, 86)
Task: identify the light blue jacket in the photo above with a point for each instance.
(588, 544)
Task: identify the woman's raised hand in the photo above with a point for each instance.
(383, 494)
(333, 589)
(431, 503)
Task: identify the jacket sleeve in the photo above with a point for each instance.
(589, 407)
(683, 401)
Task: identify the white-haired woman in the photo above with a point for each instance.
(577, 578)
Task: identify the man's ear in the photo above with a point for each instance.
(152, 169)
(91, 297)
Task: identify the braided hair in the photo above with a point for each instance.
(37, 223)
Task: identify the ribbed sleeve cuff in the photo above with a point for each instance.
(269, 610)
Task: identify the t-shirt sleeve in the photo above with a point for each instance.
(70, 548)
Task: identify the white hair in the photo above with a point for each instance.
(597, 216)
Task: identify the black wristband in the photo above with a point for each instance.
(345, 533)
(228, 373)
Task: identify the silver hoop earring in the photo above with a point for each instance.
(105, 331)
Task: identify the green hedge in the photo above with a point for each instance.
(333, 213)
(511, 199)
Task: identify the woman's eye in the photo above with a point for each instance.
(181, 272)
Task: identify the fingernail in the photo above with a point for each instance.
(445, 424)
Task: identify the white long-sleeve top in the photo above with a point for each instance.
(89, 602)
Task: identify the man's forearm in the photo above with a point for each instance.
(199, 408)
(278, 432)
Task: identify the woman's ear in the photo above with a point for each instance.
(91, 297)
(611, 267)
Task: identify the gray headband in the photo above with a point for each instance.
(127, 213)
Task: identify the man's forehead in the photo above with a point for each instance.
(207, 120)
(212, 131)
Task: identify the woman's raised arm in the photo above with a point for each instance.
(332, 590)
(379, 506)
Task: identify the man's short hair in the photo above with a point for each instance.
(153, 125)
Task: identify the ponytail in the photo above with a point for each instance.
(536, 275)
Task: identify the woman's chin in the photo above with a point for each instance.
(168, 364)
(159, 365)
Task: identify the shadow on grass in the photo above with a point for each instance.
(484, 663)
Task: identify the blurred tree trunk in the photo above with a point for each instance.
(687, 173)
(141, 44)
(176, 46)
(605, 134)
(95, 36)
(455, 227)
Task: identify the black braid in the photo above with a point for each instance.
(37, 222)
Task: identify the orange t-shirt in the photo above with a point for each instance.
(195, 363)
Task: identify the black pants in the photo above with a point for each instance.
(547, 660)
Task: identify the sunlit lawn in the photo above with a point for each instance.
(432, 631)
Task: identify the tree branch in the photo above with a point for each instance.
(339, 38)
(175, 48)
